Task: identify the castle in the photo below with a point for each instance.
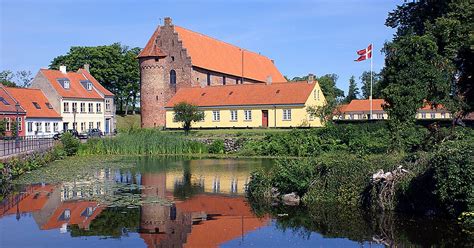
(176, 57)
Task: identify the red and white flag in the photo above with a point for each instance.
(364, 53)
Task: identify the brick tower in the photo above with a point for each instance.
(164, 67)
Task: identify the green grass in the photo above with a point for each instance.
(128, 122)
(223, 133)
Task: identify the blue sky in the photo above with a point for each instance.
(312, 36)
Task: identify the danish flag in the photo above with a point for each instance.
(364, 53)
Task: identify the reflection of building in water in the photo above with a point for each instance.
(100, 184)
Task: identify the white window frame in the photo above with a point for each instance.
(47, 127)
(66, 107)
(7, 123)
(39, 127)
(83, 126)
(18, 121)
(287, 114)
(433, 115)
(233, 115)
(74, 107)
(247, 115)
(91, 107)
(29, 126)
(107, 104)
(66, 84)
(98, 125)
(98, 108)
(423, 115)
(55, 127)
(83, 107)
(91, 125)
(216, 115)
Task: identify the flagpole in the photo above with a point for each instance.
(371, 68)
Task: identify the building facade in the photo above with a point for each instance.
(175, 58)
(358, 110)
(41, 119)
(250, 106)
(79, 98)
(12, 115)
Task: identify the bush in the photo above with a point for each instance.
(70, 144)
(217, 147)
(454, 175)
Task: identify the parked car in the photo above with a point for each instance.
(73, 132)
(94, 133)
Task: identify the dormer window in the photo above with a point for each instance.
(4, 101)
(37, 106)
(49, 105)
(64, 82)
(87, 84)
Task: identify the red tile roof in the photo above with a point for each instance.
(244, 94)
(364, 105)
(215, 55)
(151, 49)
(96, 83)
(430, 107)
(26, 97)
(9, 104)
(76, 90)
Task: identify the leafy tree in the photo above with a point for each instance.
(446, 26)
(365, 81)
(353, 90)
(114, 66)
(6, 78)
(24, 78)
(70, 143)
(187, 113)
(18, 79)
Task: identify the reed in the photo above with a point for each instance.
(143, 142)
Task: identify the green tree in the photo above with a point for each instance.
(70, 143)
(6, 78)
(447, 26)
(353, 90)
(333, 95)
(187, 113)
(114, 66)
(24, 78)
(365, 81)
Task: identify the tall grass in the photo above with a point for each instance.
(143, 142)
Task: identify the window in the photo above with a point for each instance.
(91, 125)
(30, 126)
(74, 107)
(248, 115)
(316, 94)
(173, 77)
(233, 115)
(83, 126)
(107, 105)
(91, 108)
(423, 115)
(19, 123)
(83, 107)
(99, 108)
(89, 86)
(379, 116)
(66, 107)
(216, 115)
(47, 127)
(66, 84)
(39, 127)
(37, 106)
(287, 114)
(48, 105)
(55, 127)
(7, 123)
(98, 125)
(223, 80)
(208, 78)
(172, 57)
(433, 115)
(74, 125)
(351, 116)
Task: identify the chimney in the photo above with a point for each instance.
(168, 21)
(273, 61)
(269, 80)
(62, 68)
(87, 67)
(310, 78)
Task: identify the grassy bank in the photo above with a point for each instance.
(142, 142)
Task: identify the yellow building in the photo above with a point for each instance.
(251, 105)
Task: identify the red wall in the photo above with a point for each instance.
(13, 127)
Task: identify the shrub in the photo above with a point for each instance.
(70, 144)
(217, 147)
(454, 175)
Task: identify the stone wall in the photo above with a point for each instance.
(231, 145)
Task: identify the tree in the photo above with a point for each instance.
(24, 78)
(447, 26)
(187, 113)
(6, 78)
(114, 66)
(333, 95)
(365, 81)
(353, 90)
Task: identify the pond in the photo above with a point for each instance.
(186, 202)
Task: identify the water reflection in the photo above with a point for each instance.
(207, 195)
(205, 207)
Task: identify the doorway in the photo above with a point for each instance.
(264, 118)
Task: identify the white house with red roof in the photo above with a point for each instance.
(79, 98)
(41, 119)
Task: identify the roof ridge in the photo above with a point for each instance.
(225, 42)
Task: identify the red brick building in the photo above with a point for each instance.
(176, 57)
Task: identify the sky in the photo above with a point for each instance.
(302, 36)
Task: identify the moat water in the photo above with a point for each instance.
(181, 202)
